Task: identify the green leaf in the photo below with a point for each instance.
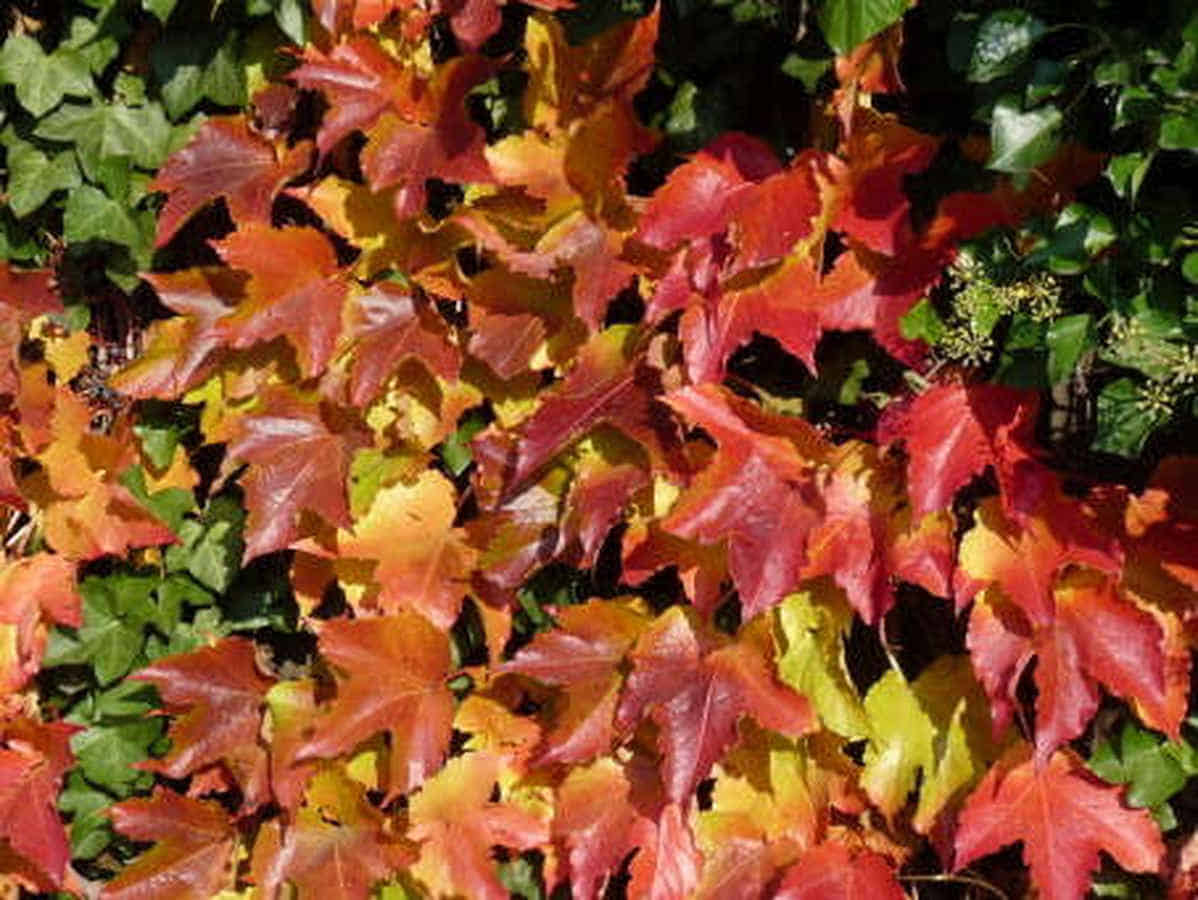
(1127, 172)
(211, 548)
(1136, 104)
(1124, 420)
(106, 754)
(1022, 141)
(193, 67)
(162, 9)
(91, 214)
(33, 176)
(808, 71)
(1079, 233)
(90, 830)
(1067, 339)
(116, 611)
(922, 323)
(1179, 131)
(1153, 769)
(1003, 42)
(1189, 267)
(41, 80)
(98, 44)
(289, 16)
(102, 130)
(848, 23)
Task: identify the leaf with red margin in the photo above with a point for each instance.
(423, 562)
(407, 150)
(225, 159)
(669, 865)
(385, 326)
(457, 823)
(391, 675)
(216, 695)
(831, 872)
(296, 290)
(612, 383)
(181, 352)
(297, 462)
(192, 854)
(360, 82)
(24, 295)
(505, 343)
(33, 759)
(1063, 815)
(34, 592)
(758, 494)
(696, 686)
(1075, 623)
(339, 845)
(584, 656)
(1161, 523)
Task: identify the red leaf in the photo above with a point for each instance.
(758, 493)
(24, 295)
(34, 592)
(225, 159)
(33, 760)
(505, 343)
(1063, 815)
(216, 695)
(296, 290)
(391, 678)
(297, 463)
(192, 852)
(831, 872)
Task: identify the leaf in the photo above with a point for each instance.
(225, 159)
(391, 678)
(612, 383)
(211, 548)
(1077, 624)
(1125, 421)
(1067, 338)
(831, 872)
(696, 688)
(339, 845)
(34, 592)
(192, 853)
(583, 656)
(1022, 140)
(1179, 131)
(192, 66)
(41, 80)
(216, 694)
(1063, 816)
(90, 214)
(102, 131)
(847, 23)
(457, 823)
(296, 290)
(423, 562)
(33, 176)
(24, 295)
(1002, 44)
(33, 760)
(758, 493)
(297, 463)
(1153, 769)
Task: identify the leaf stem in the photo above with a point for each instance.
(948, 877)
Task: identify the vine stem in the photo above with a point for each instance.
(947, 877)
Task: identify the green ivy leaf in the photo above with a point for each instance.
(1127, 172)
(1079, 234)
(33, 176)
(848, 23)
(102, 130)
(1189, 267)
(289, 16)
(41, 80)
(1124, 420)
(1022, 141)
(116, 611)
(194, 67)
(211, 548)
(161, 9)
(90, 214)
(90, 830)
(1153, 769)
(1003, 42)
(1067, 338)
(1179, 131)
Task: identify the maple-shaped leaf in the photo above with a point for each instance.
(391, 673)
(457, 823)
(179, 352)
(612, 383)
(696, 687)
(832, 872)
(296, 290)
(298, 461)
(405, 148)
(583, 655)
(385, 326)
(1064, 816)
(216, 695)
(757, 494)
(24, 294)
(34, 592)
(937, 724)
(34, 757)
(423, 562)
(225, 159)
(338, 846)
(291, 708)
(1160, 523)
(193, 847)
(1077, 625)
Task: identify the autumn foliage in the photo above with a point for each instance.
(426, 405)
